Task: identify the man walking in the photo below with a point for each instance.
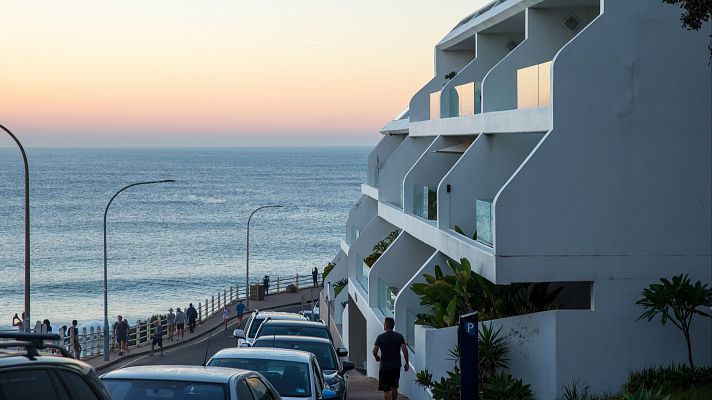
(192, 314)
(121, 333)
(171, 318)
(157, 336)
(240, 310)
(315, 277)
(180, 324)
(390, 344)
(74, 339)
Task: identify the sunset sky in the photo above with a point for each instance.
(214, 73)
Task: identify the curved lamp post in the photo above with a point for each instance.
(247, 271)
(106, 298)
(26, 321)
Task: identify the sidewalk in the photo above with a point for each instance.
(212, 323)
(362, 387)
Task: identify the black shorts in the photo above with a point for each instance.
(180, 327)
(158, 341)
(388, 379)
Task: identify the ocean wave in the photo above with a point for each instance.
(205, 199)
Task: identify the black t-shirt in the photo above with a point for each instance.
(390, 344)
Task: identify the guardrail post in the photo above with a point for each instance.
(207, 314)
(90, 351)
(277, 285)
(225, 302)
(84, 342)
(200, 314)
(231, 298)
(97, 345)
(212, 305)
(297, 281)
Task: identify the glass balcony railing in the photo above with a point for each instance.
(386, 298)
(410, 329)
(534, 86)
(425, 202)
(483, 213)
(354, 234)
(362, 278)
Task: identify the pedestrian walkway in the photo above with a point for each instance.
(362, 387)
(214, 322)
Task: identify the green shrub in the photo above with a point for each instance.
(492, 351)
(380, 247)
(448, 388)
(503, 386)
(424, 379)
(328, 269)
(577, 391)
(339, 286)
(674, 378)
(644, 394)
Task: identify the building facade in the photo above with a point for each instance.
(573, 143)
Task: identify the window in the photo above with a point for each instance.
(256, 322)
(244, 392)
(29, 384)
(270, 330)
(318, 376)
(290, 378)
(77, 387)
(157, 390)
(259, 389)
(323, 351)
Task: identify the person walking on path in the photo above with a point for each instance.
(74, 339)
(180, 324)
(121, 333)
(265, 283)
(390, 344)
(240, 310)
(192, 315)
(315, 276)
(157, 336)
(226, 315)
(171, 323)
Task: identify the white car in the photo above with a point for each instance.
(247, 336)
(295, 374)
(187, 383)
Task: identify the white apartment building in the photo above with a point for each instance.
(575, 139)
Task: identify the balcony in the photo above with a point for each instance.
(534, 86)
(362, 276)
(425, 202)
(386, 298)
(483, 213)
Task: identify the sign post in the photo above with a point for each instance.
(467, 343)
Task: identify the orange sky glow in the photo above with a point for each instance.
(88, 73)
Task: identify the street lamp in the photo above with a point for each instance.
(26, 321)
(247, 271)
(106, 298)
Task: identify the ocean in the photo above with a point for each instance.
(171, 243)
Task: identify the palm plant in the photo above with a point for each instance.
(676, 300)
(493, 351)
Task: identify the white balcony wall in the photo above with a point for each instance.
(377, 229)
(545, 35)
(340, 270)
(479, 174)
(398, 164)
(490, 49)
(403, 258)
(360, 215)
(634, 179)
(378, 157)
(430, 168)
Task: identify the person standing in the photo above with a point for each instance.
(192, 315)
(157, 336)
(265, 283)
(240, 310)
(226, 315)
(17, 321)
(390, 344)
(47, 327)
(180, 324)
(315, 276)
(121, 333)
(74, 339)
(171, 323)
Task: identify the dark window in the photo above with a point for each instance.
(77, 387)
(256, 323)
(323, 351)
(260, 389)
(29, 384)
(243, 392)
(270, 330)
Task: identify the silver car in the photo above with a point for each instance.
(177, 382)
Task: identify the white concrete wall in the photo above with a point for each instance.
(378, 157)
(430, 168)
(402, 159)
(360, 215)
(375, 231)
(432, 347)
(480, 174)
(545, 35)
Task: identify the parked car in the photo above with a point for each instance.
(294, 328)
(326, 355)
(177, 382)
(254, 321)
(295, 374)
(29, 370)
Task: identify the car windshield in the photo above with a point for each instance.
(324, 352)
(291, 379)
(274, 329)
(164, 390)
(256, 322)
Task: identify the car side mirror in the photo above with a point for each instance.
(346, 367)
(238, 334)
(328, 394)
(342, 352)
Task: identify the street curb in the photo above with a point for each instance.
(182, 342)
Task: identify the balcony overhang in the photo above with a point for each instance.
(510, 121)
(396, 127)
